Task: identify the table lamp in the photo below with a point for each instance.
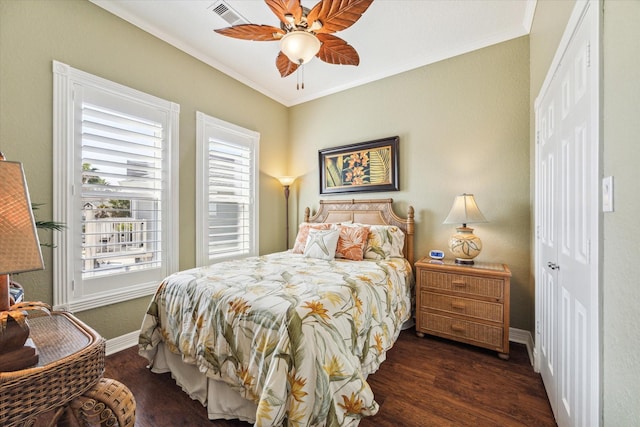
(464, 245)
(19, 252)
(286, 181)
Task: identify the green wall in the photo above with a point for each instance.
(463, 125)
(620, 285)
(85, 36)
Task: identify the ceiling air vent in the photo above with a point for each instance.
(222, 9)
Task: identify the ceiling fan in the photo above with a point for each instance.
(305, 33)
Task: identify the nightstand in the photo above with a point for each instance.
(465, 303)
(66, 387)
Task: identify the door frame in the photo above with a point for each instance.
(595, 24)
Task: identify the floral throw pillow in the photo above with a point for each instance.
(385, 241)
(321, 244)
(352, 242)
(303, 233)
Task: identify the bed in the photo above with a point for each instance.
(289, 338)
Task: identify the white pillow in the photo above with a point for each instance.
(321, 244)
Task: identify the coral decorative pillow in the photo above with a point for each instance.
(352, 242)
(321, 244)
(303, 233)
(385, 241)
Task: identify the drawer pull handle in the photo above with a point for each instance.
(458, 284)
(458, 305)
(457, 328)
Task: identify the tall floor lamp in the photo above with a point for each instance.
(286, 181)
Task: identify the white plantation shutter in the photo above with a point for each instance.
(121, 192)
(115, 157)
(227, 203)
(229, 199)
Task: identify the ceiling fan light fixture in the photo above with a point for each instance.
(299, 46)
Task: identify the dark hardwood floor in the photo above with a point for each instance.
(424, 382)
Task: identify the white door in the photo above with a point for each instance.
(547, 226)
(567, 118)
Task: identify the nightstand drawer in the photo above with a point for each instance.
(462, 330)
(464, 306)
(472, 285)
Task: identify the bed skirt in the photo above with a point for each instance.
(221, 401)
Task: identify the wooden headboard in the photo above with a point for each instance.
(373, 212)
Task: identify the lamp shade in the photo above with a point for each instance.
(464, 211)
(299, 46)
(286, 180)
(19, 244)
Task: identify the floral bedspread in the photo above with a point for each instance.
(295, 335)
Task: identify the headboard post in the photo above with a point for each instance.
(409, 234)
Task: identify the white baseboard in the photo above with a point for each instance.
(522, 336)
(122, 342)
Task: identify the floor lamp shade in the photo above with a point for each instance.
(286, 180)
(465, 245)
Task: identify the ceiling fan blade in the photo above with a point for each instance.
(285, 66)
(252, 32)
(286, 7)
(336, 15)
(334, 50)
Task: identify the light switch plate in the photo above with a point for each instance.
(607, 194)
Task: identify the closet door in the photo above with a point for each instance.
(547, 200)
(567, 228)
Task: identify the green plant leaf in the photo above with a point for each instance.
(47, 225)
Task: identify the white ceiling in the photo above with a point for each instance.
(392, 36)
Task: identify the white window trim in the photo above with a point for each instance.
(64, 77)
(202, 194)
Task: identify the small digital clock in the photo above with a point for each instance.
(436, 254)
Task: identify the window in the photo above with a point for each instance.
(114, 154)
(227, 182)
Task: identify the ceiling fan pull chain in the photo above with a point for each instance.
(300, 76)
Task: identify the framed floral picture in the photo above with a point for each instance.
(365, 166)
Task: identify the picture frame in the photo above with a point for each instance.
(365, 166)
